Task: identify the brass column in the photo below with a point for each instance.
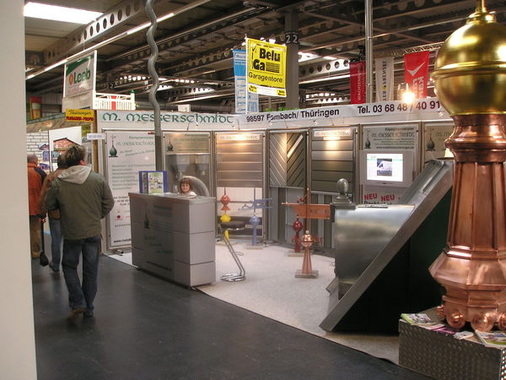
(470, 80)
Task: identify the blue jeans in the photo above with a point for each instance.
(81, 295)
(56, 240)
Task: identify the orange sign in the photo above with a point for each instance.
(310, 211)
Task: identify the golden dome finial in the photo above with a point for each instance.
(470, 68)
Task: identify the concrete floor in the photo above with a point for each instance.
(148, 328)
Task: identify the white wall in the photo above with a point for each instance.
(17, 358)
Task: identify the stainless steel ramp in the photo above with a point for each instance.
(367, 238)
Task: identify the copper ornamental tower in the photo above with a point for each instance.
(470, 80)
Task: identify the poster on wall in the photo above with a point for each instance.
(434, 136)
(127, 153)
(60, 140)
(388, 138)
(399, 137)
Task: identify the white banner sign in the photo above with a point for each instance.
(384, 69)
(168, 120)
(423, 109)
(245, 101)
(80, 76)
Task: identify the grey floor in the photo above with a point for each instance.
(147, 328)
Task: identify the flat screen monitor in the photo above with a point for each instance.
(386, 168)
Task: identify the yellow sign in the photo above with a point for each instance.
(79, 115)
(266, 68)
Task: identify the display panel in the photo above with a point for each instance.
(386, 168)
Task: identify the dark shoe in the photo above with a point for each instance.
(55, 270)
(43, 260)
(88, 313)
(75, 313)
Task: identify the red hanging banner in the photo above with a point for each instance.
(416, 72)
(35, 107)
(357, 82)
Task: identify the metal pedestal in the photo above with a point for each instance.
(232, 226)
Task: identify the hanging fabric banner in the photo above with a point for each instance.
(416, 73)
(245, 101)
(35, 107)
(357, 82)
(266, 68)
(384, 69)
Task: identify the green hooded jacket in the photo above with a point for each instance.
(84, 198)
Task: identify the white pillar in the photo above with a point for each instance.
(17, 361)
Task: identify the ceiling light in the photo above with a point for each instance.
(405, 94)
(115, 38)
(57, 13)
(408, 97)
(337, 77)
(307, 56)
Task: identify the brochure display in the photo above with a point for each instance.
(174, 237)
(153, 182)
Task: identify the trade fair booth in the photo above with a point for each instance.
(261, 163)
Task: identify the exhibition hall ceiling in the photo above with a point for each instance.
(195, 44)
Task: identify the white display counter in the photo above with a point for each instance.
(174, 236)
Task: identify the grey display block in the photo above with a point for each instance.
(174, 236)
(444, 357)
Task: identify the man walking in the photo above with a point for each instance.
(35, 179)
(84, 198)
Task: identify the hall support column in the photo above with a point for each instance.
(292, 59)
(18, 359)
(368, 51)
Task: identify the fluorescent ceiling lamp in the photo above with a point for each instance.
(56, 13)
(337, 77)
(303, 57)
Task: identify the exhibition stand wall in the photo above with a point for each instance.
(271, 156)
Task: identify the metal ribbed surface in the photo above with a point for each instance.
(277, 159)
(446, 358)
(287, 159)
(239, 159)
(332, 158)
(296, 155)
